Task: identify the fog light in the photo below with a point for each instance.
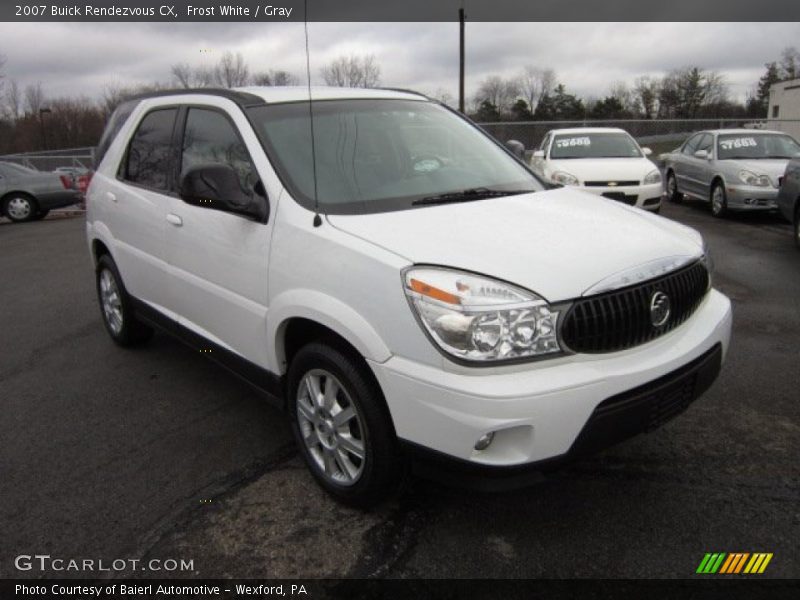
(484, 441)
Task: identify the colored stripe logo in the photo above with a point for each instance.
(734, 563)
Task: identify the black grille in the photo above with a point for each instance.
(606, 183)
(621, 319)
(621, 197)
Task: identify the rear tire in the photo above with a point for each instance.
(20, 207)
(342, 425)
(116, 306)
(719, 200)
(672, 188)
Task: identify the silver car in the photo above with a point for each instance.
(27, 195)
(731, 169)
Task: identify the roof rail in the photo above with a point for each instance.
(405, 91)
(243, 99)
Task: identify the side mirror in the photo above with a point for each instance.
(217, 186)
(517, 148)
(702, 154)
(647, 151)
(538, 154)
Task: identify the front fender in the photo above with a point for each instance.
(325, 310)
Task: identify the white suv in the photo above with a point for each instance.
(398, 281)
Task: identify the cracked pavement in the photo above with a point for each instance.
(157, 452)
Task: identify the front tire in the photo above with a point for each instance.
(20, 208)
(719, 200)
(342, 425)
(672, 188)
(116, 306)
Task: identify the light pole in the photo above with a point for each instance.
(461, 19)
(42, 111)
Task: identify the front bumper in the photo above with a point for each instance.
(538, 410)
(647, 197)
(745, 197)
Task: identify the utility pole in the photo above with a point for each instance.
(461, 18)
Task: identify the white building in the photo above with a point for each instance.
(784, 103)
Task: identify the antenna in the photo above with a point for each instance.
(317, 218)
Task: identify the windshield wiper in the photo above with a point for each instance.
(467, 196)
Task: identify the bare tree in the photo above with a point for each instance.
(445, 97)
(13, 98)
(500, 93)
(646, 91)
(534, 83)
(33, 98)
(231, 71)
(182, 74)
(275, 77)
(113, 95)
(790, 63)
(352, 71)
(626, 97)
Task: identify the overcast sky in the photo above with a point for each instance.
(82, 58)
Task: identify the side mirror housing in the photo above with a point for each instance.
(538, 154)
(702, 154)
(647, 151)
(517, 148)
(216, 185)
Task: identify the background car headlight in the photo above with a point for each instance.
(653, 176)
(708, 261)
(564, 178)
(751, 178)
(480, 319)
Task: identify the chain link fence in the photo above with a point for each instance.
(79, 159)
(660, 135)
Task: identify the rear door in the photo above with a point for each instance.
(682, 165)
(135, 205)
(697, 169)
(219, 259)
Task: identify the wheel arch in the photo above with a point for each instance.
(298, 316)
(12, 193)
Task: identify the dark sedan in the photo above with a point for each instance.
(789, 196)
(28, 195)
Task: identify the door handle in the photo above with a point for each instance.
(174, 220)
(111, 196)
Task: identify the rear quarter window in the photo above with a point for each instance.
(148, 161)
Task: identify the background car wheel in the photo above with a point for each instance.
(20, 208)
(719, 200)
(672, 188)
(115, 306)
(342, 425)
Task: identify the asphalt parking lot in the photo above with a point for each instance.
(111, 453)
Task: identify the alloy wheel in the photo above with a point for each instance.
(717, 200)
(112, 303)
(331, 427)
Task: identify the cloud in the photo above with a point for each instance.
(82, 58)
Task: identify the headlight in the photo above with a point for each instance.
(653, 176)
(564, 178)
(751, 178)
(479, 319)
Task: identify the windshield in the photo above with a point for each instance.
(594, 145)
(756, 145)
(382, 155)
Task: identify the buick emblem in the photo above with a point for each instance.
(659, 309)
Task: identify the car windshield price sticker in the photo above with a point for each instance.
(573, 141)
(737, 143)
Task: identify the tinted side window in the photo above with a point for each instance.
(210, 137)
(705, 143)
(148, 160)
(115, 123)
(692, 144)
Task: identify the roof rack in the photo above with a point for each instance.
(242, 99)
(405, 91)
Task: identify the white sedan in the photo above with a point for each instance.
(602, 160)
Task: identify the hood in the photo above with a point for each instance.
(604, 169)
(556, 243)
(773, 167)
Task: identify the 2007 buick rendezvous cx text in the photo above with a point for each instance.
(406, 289)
